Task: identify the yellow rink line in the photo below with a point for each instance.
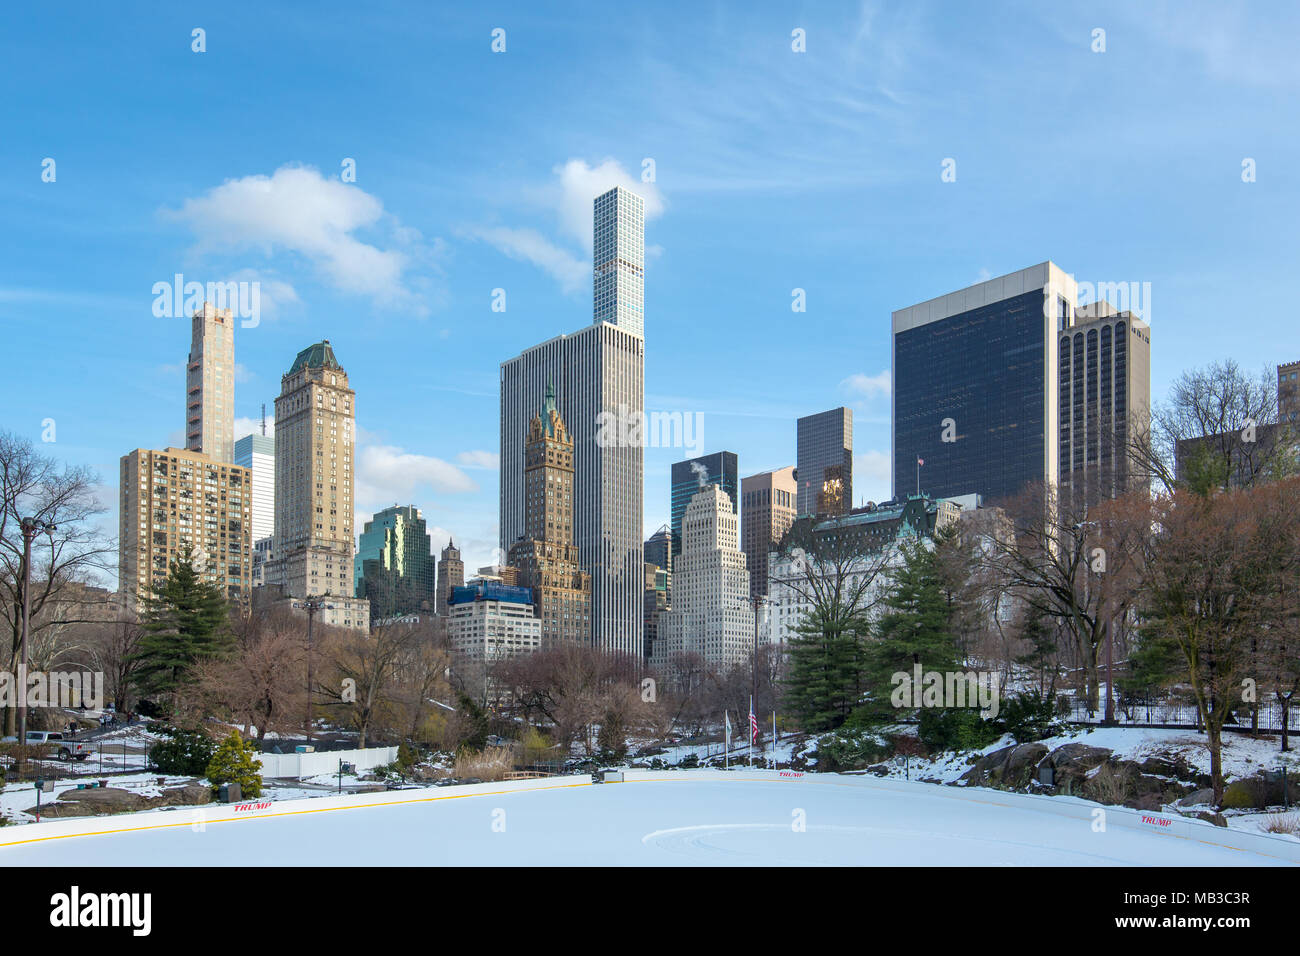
(288, 813)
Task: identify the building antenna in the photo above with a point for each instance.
(264, 419)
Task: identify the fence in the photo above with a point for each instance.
(299, 766)
(1172, 712)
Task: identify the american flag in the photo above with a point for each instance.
(753, 726)
(920, 461)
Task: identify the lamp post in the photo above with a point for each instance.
(30, 528)
(311, 606)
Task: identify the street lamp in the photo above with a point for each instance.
(311, 606)
(30, 528)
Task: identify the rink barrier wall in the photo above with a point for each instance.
(1173, 825)
(210, 814)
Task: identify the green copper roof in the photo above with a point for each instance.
(319, 355)
(547, 408)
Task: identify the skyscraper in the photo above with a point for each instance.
(177, 502)
(210, 384)
(688, 477)
(451, 574)
(824, 462)
(547, 558)
(767, 509)
(1009, 382)
(315, 426)
(618, 251)
(598, 374)
(1104, 390)
(257, 454)
(394, 567)
(710, 617)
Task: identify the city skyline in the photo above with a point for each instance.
(499, 214)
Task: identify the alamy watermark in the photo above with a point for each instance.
(64, 689)
(947, 689)
(635, 429)
(181, 299)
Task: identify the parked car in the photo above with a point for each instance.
(51, 743)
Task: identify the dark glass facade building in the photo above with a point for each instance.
(689, 476)
(984, 370)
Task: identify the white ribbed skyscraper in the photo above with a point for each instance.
(600, 368)
(710, 618)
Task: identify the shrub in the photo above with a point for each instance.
(1029, 716)
(1109, 785)
(850, 749)
(235, 761)
(184, 753)
(956, 728)
(493, 763)
(1282, 823)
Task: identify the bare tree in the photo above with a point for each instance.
(33, 485)
(1219, 429)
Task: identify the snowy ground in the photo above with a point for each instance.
(684, 818)
(1242, 755)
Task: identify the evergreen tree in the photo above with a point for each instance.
(823, 682)
(185, 622)
(914, 627)
(235, 761)
(1042, 647)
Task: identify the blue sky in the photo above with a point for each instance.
(475, 170)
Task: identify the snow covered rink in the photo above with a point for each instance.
(710, 818)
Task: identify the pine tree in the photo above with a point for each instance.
(235, 761)
(824, 680)
(914, 627)
(185, 622)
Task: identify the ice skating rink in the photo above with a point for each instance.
(709, 818)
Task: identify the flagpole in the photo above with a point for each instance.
(751, 732)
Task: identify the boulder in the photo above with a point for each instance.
(1078, 757)
(190, 795)
(105, 799)
(1197, 798)
(1010, 766)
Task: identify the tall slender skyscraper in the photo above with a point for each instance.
(824, 463)
(210, 384)
(315, 426)
(599, 377)
(618, 248)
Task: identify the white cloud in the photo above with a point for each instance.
(579, 184)
(388, 474)
(529, 245)
(297, 210)
(868, 385)
(489, 460)
(253, 426)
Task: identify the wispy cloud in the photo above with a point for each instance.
(870, 386)
(567, 201)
